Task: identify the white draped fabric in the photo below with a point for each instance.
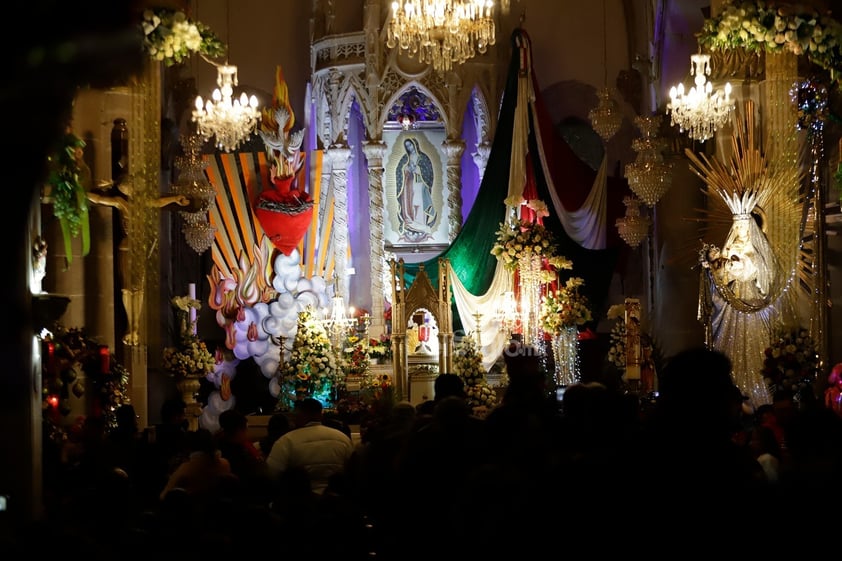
(493, 339)
(587, 225)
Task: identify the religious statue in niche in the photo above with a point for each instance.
(414, 176)
(422, 334)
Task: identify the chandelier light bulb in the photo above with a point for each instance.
(441, 32)
(230, 120)
(702, 111)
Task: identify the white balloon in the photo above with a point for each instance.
(274, 387)
(304, 284)
(270, 367)
(209, 420)
(306, 299)
(218, 404)
(289, 325)
(318, 284)
(241, 349)
(258, 347)
(284, 302)
(272, 325)
(261, 312)
(291, 283)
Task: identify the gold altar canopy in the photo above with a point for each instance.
(406, 301)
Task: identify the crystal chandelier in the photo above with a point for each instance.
(605, 118)
(649, 176)
(193, 183)
(507, 315)
(633, 227)
(230, 120)
(441, 32)
(701, 111)
(336, 322)
(199, 234)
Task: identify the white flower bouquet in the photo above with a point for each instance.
(791, 361)
(566, 307)
(169, 36)
(311, 368)
(519, 238)
(776, 27)
(191, 358)
(467, 362)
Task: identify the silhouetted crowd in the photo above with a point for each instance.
(598, 469)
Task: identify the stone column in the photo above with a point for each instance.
(454, 149)
(339, 156)
(481, 158)
(374, 151)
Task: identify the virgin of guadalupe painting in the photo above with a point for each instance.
(414, 180)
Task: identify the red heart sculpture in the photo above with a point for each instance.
(284, 213)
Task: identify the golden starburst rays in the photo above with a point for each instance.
(745, 181)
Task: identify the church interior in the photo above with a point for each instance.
(242, 204)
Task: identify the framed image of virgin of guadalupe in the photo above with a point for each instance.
(413, 185)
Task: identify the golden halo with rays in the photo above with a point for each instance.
(746, 179)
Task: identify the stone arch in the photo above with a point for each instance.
(405, 87)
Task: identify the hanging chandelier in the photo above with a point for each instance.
(649, 176)
(441, 32)
(199, 233)
(633, 227)
(230, 120)
(606, 117)
(336, 322)
(701, 111)
(193, 183)
(507, 314)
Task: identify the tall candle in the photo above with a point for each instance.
(104, 359)
(191, 291)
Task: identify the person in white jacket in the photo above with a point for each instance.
(321, 451)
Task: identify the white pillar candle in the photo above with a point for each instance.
(191, 291)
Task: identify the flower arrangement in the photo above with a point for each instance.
(565, 307)
(374, 392)
(380, 348)
(67, 353)
(355, 355)
(169, 36)
(792, 362)
(467, 363)
(311, 370)
(191, 358)
(67, 177)
(758, 25)
(519, 238)
(617, 350)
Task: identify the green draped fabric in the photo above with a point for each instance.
(470, 253)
